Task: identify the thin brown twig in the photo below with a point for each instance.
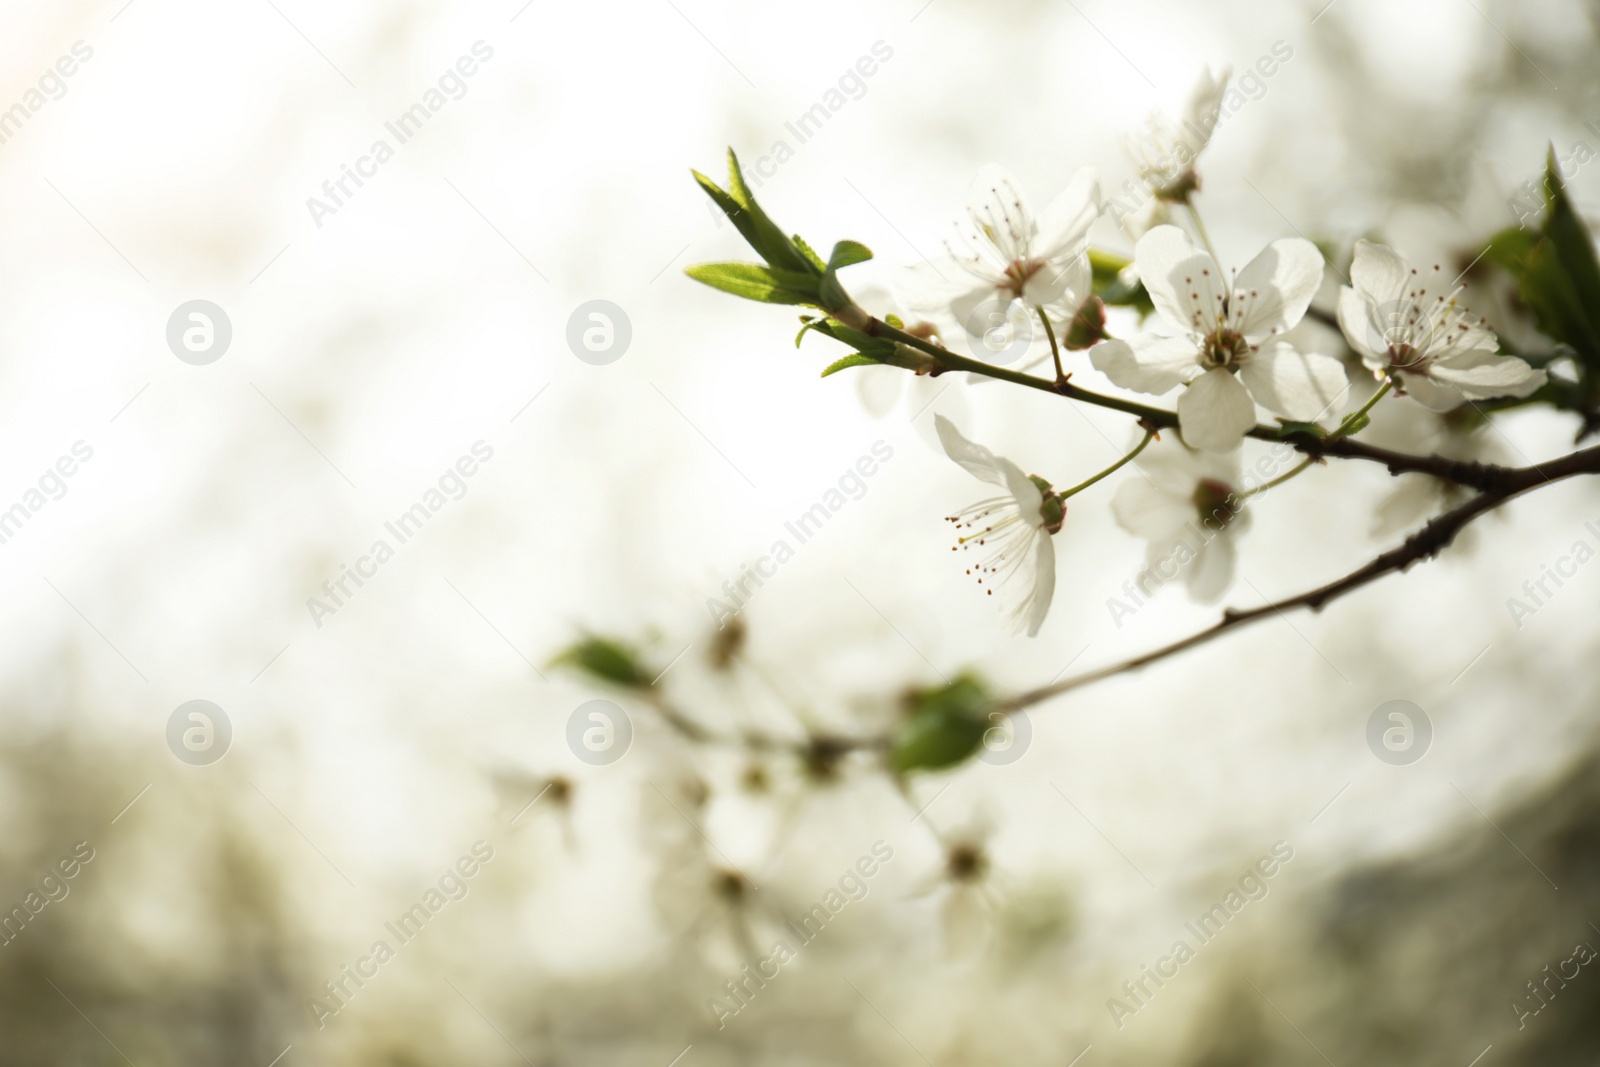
(1424, 544)
(1484, 477)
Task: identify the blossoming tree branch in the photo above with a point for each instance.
(1212, 354)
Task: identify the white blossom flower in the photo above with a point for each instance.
(972, 889)
(1004, 264)
(1189, 508)
(1411, 327)
(1165, 150)
(1012, 529)
(1223, 350)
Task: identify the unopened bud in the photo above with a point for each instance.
(1088, 326)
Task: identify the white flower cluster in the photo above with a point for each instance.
(1218, 336)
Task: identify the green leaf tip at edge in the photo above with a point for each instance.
(854, 359)
(762, 234)
(809, 252)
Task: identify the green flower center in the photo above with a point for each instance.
(1226, 348)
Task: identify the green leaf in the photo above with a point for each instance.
(1509, 248)
(606, 660)
(946, 726)
(1560, 276)
(855, 359)
(810, 324)
(1288, 428)
(769, 239)
(1111, 285)
(1354, 424)
(742, 220)
(830, 293)
(872, 346)
(809, 252)
(754, 282)
(848, 253)
(1558, 304)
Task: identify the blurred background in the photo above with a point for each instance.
(363, 749)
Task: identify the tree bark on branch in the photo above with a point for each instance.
(1500, 484)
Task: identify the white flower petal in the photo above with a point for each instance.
(1484, 376)
(1201, 293)
(1205, 102)
(1158, 256)
(1215, 412)
(965, 923)
(1029, 499)
(997, 207)
(1378, 273)
(1211, 571)
(1176, 468)
(1061, 284)
(1042, 588)
(980, 310)
(930, 291)
(1435, 396)
(1153, 511)
(1272, 292)
(1149, 364)
(1360, 330)
(1459, 342)
(1064, 229)
(973, 458)
(1303, 386)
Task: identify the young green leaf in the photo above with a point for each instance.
(946, 725)
(742, 220)
(606, 660)
(758, 283)
(809, 252)
(1113, 286)
(848, 253)
(1560, 277)
(855, 359)
(1289, 428)
(807, 327)
(769, 240)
